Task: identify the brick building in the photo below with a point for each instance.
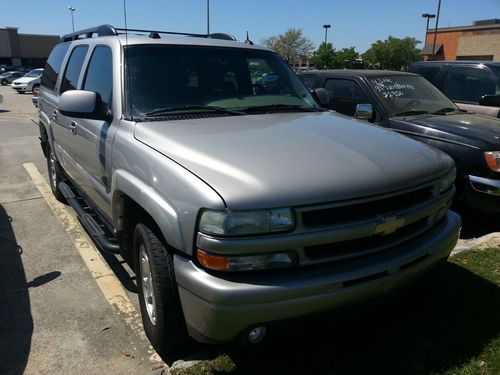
(480, 41)
(25, 50)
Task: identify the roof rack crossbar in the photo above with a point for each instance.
(103, 30)
(108, 30)
(161, 32)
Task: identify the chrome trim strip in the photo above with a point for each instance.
(487, 185)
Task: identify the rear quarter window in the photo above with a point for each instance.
(53, 66)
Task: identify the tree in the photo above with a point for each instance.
(324, 56)
(392, 53)
(291, 45)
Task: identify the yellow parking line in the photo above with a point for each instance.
(106, 280)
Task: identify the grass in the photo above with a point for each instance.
(450, 325)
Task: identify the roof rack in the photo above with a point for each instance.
(108, 30)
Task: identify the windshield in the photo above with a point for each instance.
(34, 73)
(197, 78)
(405, 95)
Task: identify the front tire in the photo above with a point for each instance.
(54, 170)
(159, 300)
(4, 82)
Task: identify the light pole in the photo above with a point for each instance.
(326, 27)
(208, 17)
(436, 29)
(428, 16)
(71, 10)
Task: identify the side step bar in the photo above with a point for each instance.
(88, 221)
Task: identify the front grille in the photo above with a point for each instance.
(366, 210)
(366, 245)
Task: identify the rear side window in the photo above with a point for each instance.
(73, 68)
(468, 84)
(53, 66)
(99, 77)
(430, 73)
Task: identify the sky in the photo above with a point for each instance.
(356, 23)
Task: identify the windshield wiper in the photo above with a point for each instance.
(411, 113)
(281, 106)
(446, 110)
(166, 111)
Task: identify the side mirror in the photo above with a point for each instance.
(490, 100)
(83, 104)
(321, 96)
(364, 112)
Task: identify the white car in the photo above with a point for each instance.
(29, 82)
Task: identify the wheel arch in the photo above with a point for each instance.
(134, 200)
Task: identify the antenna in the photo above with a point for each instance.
(248, 41)
(129, 88)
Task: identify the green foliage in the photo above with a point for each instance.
(326, 57)
(291, 46)
(345, 58)
(323, 57)
(392, 53)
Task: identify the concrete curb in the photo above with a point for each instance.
(481, 243)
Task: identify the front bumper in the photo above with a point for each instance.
(483, 193)
(20, 88)
(222, 308)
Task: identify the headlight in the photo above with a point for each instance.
(448, 181)
(242, 223)
(493, 160)
(247, 262)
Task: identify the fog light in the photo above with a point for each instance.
(256, 335)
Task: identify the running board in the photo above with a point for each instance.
(88, 221)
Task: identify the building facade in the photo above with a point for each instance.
(480, 41)
(25, 50)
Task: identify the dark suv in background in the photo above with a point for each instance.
(473, 85)
(410, 105)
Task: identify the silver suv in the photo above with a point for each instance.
(238, 201)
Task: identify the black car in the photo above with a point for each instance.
(473, 85)
(408, 104)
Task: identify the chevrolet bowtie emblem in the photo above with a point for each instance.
(389, 225)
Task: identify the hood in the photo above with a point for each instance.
(277, 160)
(26, 79)
(466, 125)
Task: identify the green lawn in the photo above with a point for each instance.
(450, 325)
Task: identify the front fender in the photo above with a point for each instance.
(160, 209)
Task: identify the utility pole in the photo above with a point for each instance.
(71, 10)
(326, 27)
(436, 29)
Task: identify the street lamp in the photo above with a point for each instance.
(326, 27)
(428, 16)
(72, 9)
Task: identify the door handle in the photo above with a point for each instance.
(73, 125)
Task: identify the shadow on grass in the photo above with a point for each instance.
(445, 322)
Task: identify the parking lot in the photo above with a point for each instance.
(63, 306)
(67, 308)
